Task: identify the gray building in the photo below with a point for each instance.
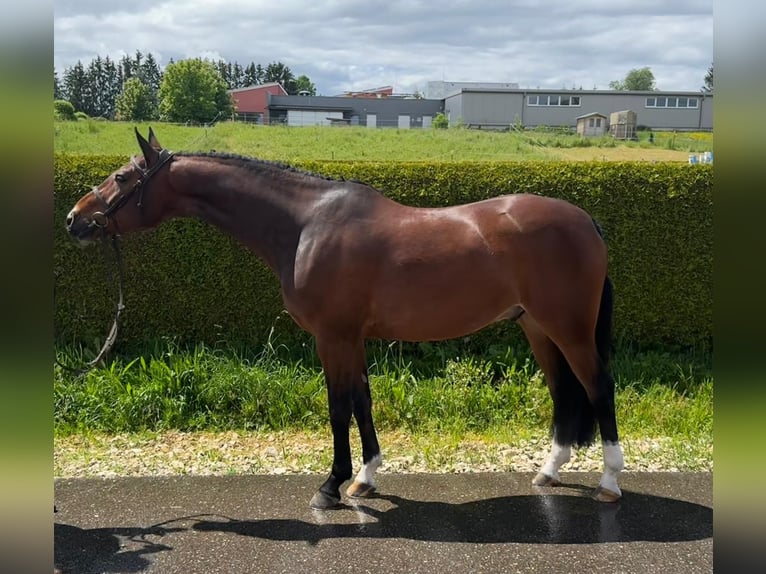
(501, 108)
(403, 113)
(440, 89)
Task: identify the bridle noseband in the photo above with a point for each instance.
(100, 219)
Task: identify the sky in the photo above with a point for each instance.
(349, 45)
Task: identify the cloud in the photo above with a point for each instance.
(346, 44)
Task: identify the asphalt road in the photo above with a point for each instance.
(448, 524)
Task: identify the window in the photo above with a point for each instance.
(553, 100)
(598, 122)
(671, 102)
(591, 122)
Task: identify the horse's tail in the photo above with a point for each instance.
(604, 323)
(605, 311)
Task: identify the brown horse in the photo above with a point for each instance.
(354, 265)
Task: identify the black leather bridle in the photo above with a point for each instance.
(100, 219)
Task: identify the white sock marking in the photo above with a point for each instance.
(613, 464)
(559, 455)
(367, 474)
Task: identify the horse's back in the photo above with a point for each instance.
(450, 271)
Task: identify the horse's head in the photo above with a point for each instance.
(128, 200)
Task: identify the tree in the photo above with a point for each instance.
(281, 74)
(135, 102)
(304, 84)
(101, 86)
(709, 79)
(193, 91)
(638, 79)
(260, 74)
(150, 74)
(74, 86)
(251, 76)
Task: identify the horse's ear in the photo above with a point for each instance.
(151, 154)
(153, 141)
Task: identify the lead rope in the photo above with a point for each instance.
(112, 336)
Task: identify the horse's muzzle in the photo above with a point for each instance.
(82, 228)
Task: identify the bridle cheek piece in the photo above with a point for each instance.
(100, 219)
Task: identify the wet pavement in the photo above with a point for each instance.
(494, 522)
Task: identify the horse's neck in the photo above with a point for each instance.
(260, 211)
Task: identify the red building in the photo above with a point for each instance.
(251, 103)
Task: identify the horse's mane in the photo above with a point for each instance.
(260, 165)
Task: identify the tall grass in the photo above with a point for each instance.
(659, 393)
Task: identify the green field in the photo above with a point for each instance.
(359, 144)
(428, 391)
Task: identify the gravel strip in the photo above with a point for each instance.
(231, 453)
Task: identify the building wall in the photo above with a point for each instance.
(254, 100)
(453, 108)
(438, 90)
(494, 110)
(500, 108)
(387, 111)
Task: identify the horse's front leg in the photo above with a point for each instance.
(364, 483)
(340, 362)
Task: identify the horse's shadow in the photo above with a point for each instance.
(106, 549)
(528, 519)
(561, 518)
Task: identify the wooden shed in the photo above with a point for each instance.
(622, 125)
(592, 124)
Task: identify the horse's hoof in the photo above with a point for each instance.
(544, 480)
(324, 501)
(360, 490)
(605, 495)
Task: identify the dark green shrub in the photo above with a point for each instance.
(63, 110)
(188, 281)
(440, 122)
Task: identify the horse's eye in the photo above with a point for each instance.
(119, 178)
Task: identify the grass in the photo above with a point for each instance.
(362, 144)
(165, 387)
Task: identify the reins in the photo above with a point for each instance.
(101, 219)
(112, 336)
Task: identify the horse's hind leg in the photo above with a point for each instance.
(573, 416)
(599, 386)
(364, 483)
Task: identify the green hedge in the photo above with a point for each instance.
(187, 281)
